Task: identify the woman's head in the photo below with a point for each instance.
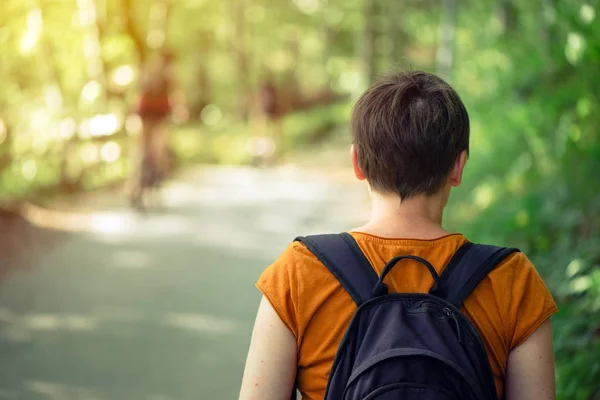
(411, 135)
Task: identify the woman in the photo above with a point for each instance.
(411, 141)
(154, 108)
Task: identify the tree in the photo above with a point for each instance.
(445, 54)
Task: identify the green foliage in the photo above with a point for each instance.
(536, 161)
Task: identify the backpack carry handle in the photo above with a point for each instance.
(381, 289)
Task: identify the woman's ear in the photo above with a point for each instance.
(455, 177)
(357, 170)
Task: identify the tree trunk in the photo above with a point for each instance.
(50, 76)
(132, 31)
(445, 53)
(326, 34)
(368, 42)
(6, 157)
(202, 95)
(240, 49)
(158, 24)
(92, 48)
(508, 16)
(396, 32)
(100, 33)
(548, 36)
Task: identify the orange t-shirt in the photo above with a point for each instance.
(506, 307)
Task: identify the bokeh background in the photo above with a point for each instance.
(100, 302)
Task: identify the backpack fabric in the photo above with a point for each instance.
(408, 345)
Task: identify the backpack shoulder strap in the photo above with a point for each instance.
(468, 267)
(344, 259)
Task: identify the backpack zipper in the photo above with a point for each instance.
(451, 315)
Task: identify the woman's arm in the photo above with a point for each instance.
(530, 371)
(272, 359)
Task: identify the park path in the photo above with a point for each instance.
(159, 306)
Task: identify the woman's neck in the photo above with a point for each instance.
(419, 217)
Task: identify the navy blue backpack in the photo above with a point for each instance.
(408, 346)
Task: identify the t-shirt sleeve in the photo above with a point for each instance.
(531, 302)
(279, 284)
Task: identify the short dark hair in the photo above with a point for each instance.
(409, 128)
